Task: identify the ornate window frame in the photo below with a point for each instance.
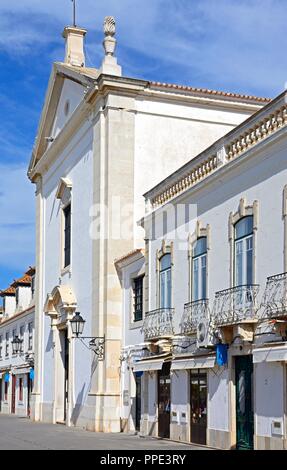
(200, 232)
(244, 210)
(166, 248)
(64, 195)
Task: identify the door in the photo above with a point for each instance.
(66, 374)
(198, 406)
(29, 387)
(244, 402)
(138, 402)
(164, 402)
(13, 402)
(1, 385)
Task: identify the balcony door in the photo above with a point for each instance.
(198, 406)
(244, 252)
(244, 402)
(199, 257)
(165, 282)
(164, 402)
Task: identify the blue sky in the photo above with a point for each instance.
(221, 44)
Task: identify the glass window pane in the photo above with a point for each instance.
(162, 290)
(249, 261)
(168, 300)
(203, 277)
(195, 281)
(239, 281)
(244, 227)
(200, 247)
(165, 262)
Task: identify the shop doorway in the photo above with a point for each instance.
(198, 406)
(164, 401)
(244, 402)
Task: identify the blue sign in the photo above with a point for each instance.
(139, 374)
(221, 354)
(7, 378)
(32, 374)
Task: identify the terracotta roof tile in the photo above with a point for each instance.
(26, 280)
(210, 92)
(9, 291)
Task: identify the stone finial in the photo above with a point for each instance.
(110, 65)
(109, 26)
(110, 31)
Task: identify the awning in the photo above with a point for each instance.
(202, 362)
(24, 370)
(271, 354)
(146, 366)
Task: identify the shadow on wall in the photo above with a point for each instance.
(79, 405)
(82, 396)
(50, 343)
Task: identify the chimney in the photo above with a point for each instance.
(74, 46)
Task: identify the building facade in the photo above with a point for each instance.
(17, 346)
(96, 153)
(215, 303)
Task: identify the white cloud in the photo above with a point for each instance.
(220, 43)
(16, 218)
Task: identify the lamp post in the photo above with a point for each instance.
(17, 345)
(96, 343)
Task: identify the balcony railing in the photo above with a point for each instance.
(193, 314)
(236, 305)
(158, 324)
(274, 303)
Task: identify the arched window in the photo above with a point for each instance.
(199, 273)
(165, 281)
(243, 251)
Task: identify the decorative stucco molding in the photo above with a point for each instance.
(244, 210)
(64, 189)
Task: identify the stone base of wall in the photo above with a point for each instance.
(179, 432)
(219, 439)
(47, 412)
(148, 428)
(99, 414)
(270, 443)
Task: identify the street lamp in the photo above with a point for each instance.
(17, 345)
(77, 324)
(96, 344)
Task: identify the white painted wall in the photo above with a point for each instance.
(76, 164)
(269, 393)
(73, 93)
(179, 396)
(10, 305)
(218, 412)
(24, 297)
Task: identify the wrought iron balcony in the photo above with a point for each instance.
(158, 324)
(274, 303)
(193, 313)
(236, 305)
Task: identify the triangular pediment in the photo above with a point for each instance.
(66, 89)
